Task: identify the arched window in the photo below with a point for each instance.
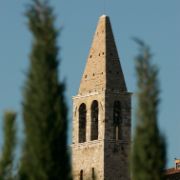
(82, 123)
(117, 120)
(94, 120)
(81, 175)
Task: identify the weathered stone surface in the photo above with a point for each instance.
(103, 80)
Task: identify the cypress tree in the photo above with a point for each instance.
(149, 154)
(7, 156)
(45, 155)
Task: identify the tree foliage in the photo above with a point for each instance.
(149, 153)
(7, 156)
(45, 153)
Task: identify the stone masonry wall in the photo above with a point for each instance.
(103, 81)
(89, 154)
(116, 152)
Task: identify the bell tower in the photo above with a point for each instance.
(102, 113)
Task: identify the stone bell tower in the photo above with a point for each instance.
(102, 113)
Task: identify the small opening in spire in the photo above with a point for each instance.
(93, 174)
(81, 175)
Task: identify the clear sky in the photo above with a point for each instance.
(156, 22)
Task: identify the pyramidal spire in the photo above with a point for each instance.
(103, 71)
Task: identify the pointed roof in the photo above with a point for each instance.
(103, 70)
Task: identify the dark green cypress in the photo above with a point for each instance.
(149, 153)
(7, 156)
(45, 155)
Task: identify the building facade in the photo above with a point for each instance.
(173, 173)
(102, 113)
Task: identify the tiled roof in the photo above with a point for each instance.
(172, 174)
(172, 171)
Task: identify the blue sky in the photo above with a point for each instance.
(156, 22)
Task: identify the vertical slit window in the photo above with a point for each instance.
(117, 133)
(94, 120)
(81, 175)
(82, 123)
(93, 174)
(117, 120)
